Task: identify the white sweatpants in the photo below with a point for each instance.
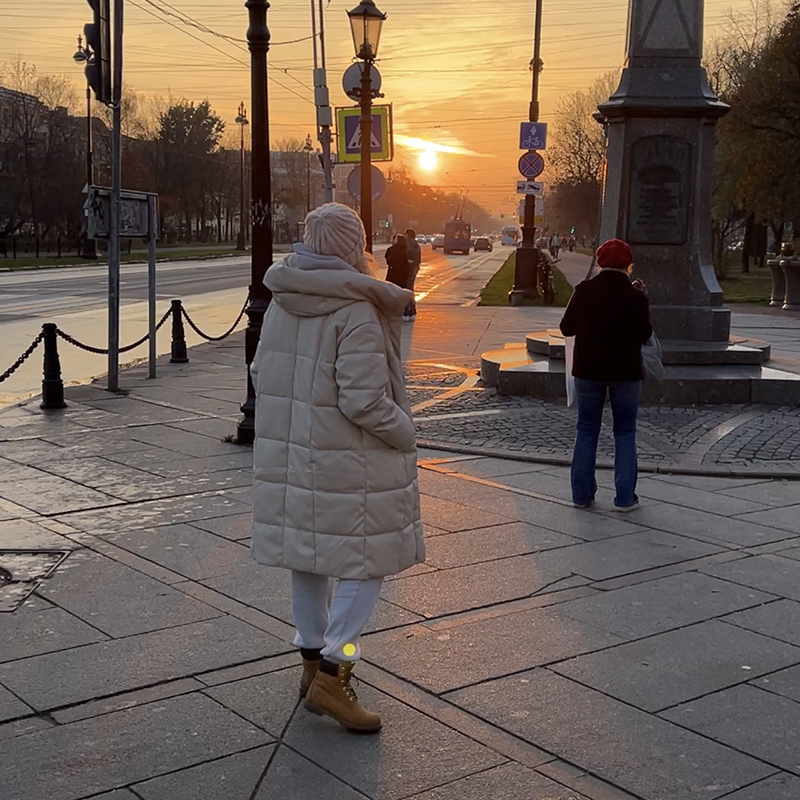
(332, 620)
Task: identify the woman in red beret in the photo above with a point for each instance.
(609, 316)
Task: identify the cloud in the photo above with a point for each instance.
(420, 145)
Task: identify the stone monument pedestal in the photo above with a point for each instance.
(661, 135)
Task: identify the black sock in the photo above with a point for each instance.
(310, 655)
(329, 667)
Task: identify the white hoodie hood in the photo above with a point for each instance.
(307, 284)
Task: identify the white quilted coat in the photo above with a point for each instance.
(335, 488)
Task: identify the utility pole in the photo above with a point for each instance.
(526, 272)
(322, 100)
(243, 122)
(309, 149)
(116, 186)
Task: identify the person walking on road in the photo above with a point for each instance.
(610, 319)
(335, 491)
(414, 263)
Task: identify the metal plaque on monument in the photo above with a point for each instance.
(661, 135)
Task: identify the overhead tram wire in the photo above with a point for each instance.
(217, 49)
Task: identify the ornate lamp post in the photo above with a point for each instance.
(242, 122)
(308, 149)
(82, 56)
(366, 23)
(261, 204)
(526, 271)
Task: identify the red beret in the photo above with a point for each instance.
(615, 254)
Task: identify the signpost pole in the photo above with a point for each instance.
(366, 150)
(116, 185)
(152, 226)
(526, 272)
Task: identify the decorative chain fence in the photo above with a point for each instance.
(52, 385)
(23, 358)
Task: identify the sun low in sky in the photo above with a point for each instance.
(428, 160)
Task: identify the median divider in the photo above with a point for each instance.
(52, 382)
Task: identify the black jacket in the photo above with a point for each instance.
(610, 321)
(399, 268)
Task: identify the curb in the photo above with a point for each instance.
(644, 466)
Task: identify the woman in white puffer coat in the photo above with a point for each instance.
(335, 493)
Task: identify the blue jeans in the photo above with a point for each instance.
(625, 397)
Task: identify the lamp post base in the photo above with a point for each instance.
(246, 428)
(240, 243)
(526, 276)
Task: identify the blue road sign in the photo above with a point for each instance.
(531, 165)
(533, 136)
(349, 134)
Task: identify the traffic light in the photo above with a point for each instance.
(98, 41)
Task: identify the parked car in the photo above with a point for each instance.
(484, 243)
(421, 238)
(438, 242)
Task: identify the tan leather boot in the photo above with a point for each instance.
(333, 696)
(310, 670)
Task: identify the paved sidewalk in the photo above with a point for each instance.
(542, 652)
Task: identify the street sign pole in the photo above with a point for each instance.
(526, 271)
(116, 186)
(366, 150)
(152, 228)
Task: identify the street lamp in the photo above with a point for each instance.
(82, 56)
(243, 122)
(261, 204)
(366, 23)
(308, 148)
(526, 271)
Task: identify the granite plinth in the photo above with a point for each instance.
(516, 371)
(676, 352)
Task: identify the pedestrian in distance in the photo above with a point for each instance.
(414, 262)
(399, 272)
(609, 316)
(335, 491)
(555, 246)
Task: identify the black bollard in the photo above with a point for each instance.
(179, 354)
(52, 385)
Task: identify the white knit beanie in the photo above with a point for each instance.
(336, 230)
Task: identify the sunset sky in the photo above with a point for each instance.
(455, 72)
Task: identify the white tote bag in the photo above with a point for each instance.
(652, 359)
(569, 352)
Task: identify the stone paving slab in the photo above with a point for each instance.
(291, 775)
(84, 673)
(646, 609)
(673, 667)
(779, 787)
(774, 574)
(66, 762)
(627, 747)
(119, 600)
(32, 631)
(233, 778)
(447, 658)
(749, 719)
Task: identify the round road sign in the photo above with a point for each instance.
(351, 82)
(354, 184)
(531, 165)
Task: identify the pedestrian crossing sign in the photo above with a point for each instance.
(348, 134)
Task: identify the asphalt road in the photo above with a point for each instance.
(212, 291)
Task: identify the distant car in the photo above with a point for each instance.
(421, 238)
(438, 242)
(484, 243)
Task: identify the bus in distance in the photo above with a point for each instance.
(510, 236)
(457, 237)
